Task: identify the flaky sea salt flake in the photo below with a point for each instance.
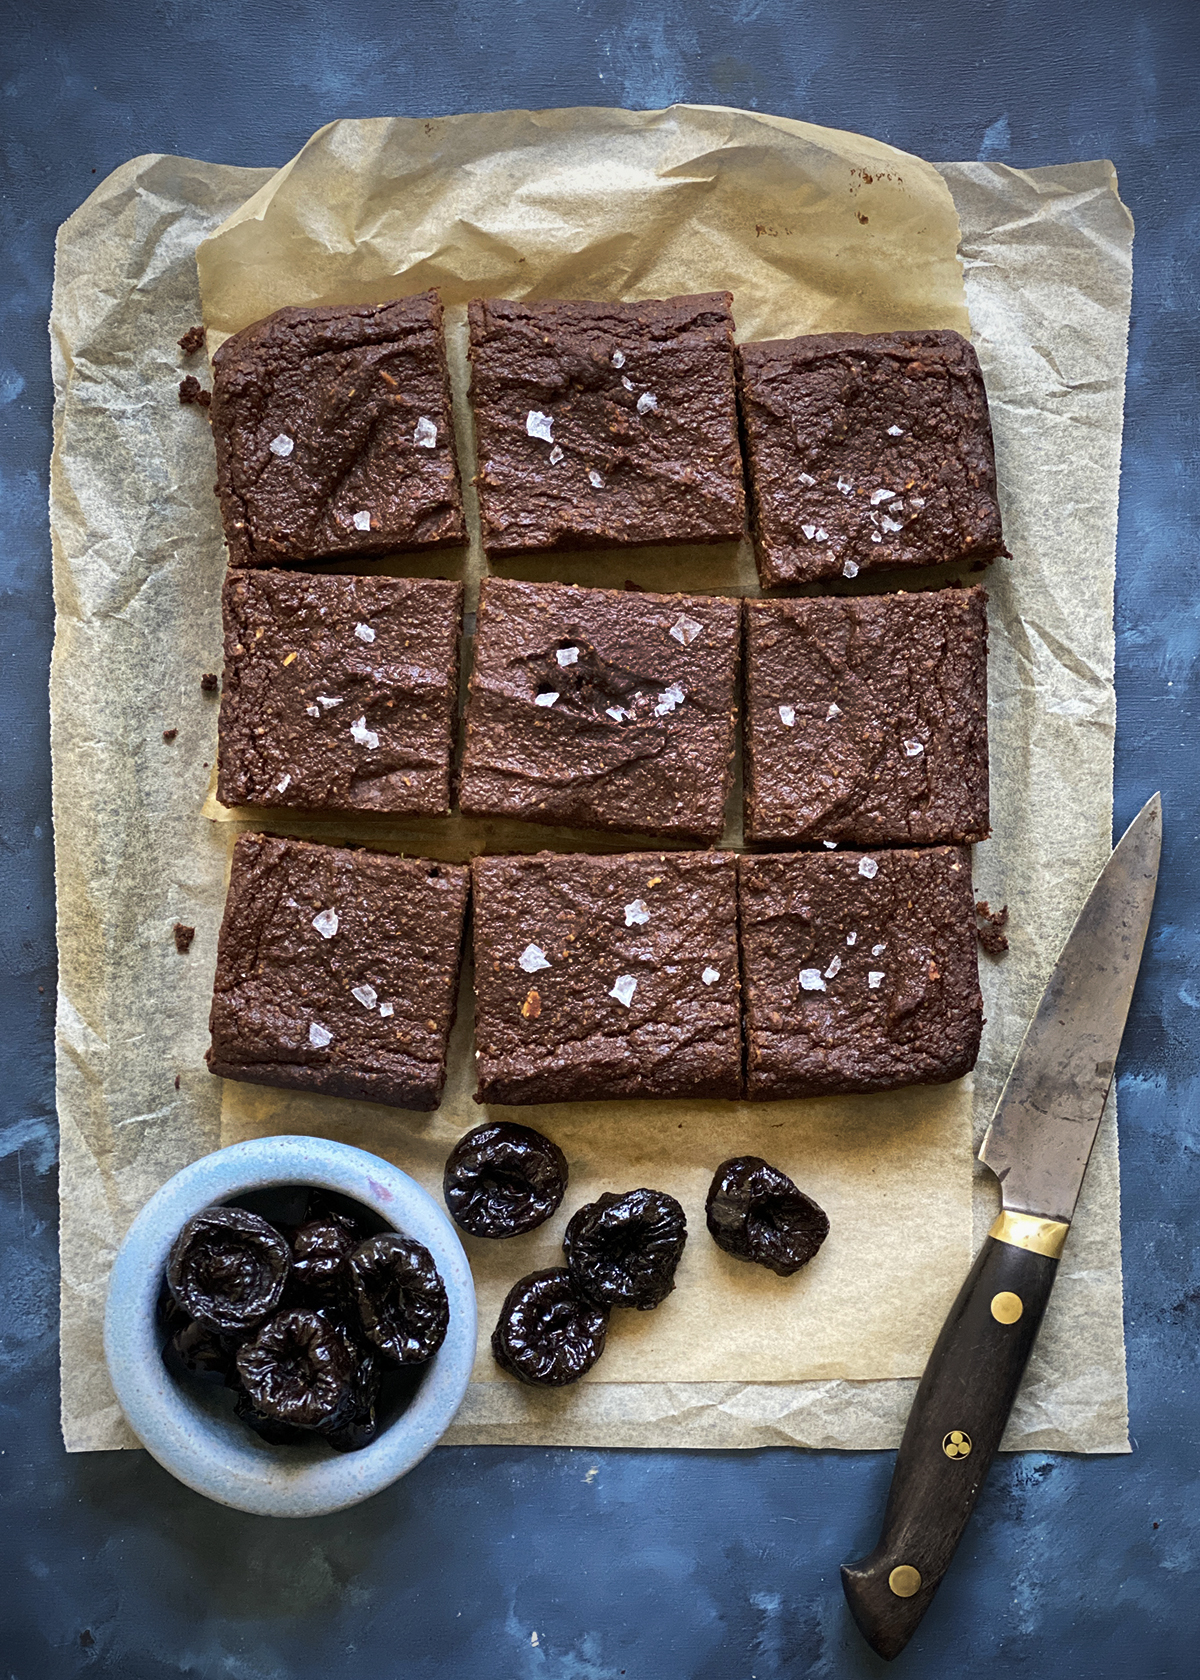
(875, 979)
(882, 495)
(685, 630)
(811, 981)
(807, 478)
(326, 923)
(366, 995)
(539, 425)
(532, 958)
(835, 964)
(787, 716)
(594, 479)
(386, 1009)
(809, 531)
(616, 713)
(364, 736)
(647, 402)
(329, 701)
(913, 749)
(618, 358)
(895, 431)
(711, 975)
(319, 1036)
(313, 711)
(851, 938)
(284, 785)
(623, 989)
(834, 711)
(556, 455)
(546, 699)
(567, 656)
(892, 525)
(627, 382)
(425, 433)
(636, 913)
(868, 868)
(829, 845)
(362, 520)
(845, 485)
(364, 632)
(878, 950)
(282, 446)
(850, 567)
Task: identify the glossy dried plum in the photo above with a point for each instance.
(623, 1250)
(547, 1333)
(362, 1425)
(300, 1370)
(400, 1296)
(756, 1213)
(320, 1249)
(269, 1428)
(198, 1352)
(228, 1269)
(503, 1179)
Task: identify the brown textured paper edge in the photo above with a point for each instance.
(119, 591)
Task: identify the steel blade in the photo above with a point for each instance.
(1049, 1111)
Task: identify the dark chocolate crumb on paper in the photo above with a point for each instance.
(191, 391)
(183, 938)
(177, 1082)
(192, 341)
(989, 934)
(170, 734)
(208, 682)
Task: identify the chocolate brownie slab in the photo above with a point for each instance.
(866, 718)
(334, 434)
(867, 450)
(602, 708)
(605, 423)
(860, 970)
(606, 977)
(340, 693)
(337, 971)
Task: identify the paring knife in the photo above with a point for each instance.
(1038, 1146)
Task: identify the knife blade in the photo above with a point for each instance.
(1038, 1146)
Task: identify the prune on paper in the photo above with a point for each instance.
(547, 1333)
(756, 1213)
(400, 1297)
(623, 1250)
(228, 1269)
(320, 1249)
(503, 1179)
(199, 1353)
(300, 1369)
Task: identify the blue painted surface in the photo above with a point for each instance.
(667, 1566)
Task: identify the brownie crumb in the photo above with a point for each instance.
(989, 934)
(177, 1082)
(192, 341)
(191, 391)
(209, 681)
(170, 734)
(183, 938)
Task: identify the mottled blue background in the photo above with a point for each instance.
(664, 1566)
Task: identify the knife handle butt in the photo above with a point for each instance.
(953, 1431)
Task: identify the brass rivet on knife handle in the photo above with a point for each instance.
(905, 1580)
(957, 1444)
(1007, 1307)
(1022, 1230)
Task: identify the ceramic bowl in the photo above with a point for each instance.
(189, 1428)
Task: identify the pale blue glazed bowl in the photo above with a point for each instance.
(187, 1428)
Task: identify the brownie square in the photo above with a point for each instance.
(867, 450)
(605, 423)
(866, 718)
(337, 971)
(340, 693)
(334, 434)
(606, 977)
(602, 708)
(860, 970)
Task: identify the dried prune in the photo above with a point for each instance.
(200, 1353)
(623, 1250)
(270, 1428)
(300, 1369)
(362, 1425)
(228, 1269)
(547, 1332)
(400, 1296)
(320, 1250)
(503, 1179)
(756, 1213)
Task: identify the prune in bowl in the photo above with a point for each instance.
(623, 1250)
(503, 1179)
(400, 1297)
(228, 1269)
(321, 1246)
(300, 1369)
(548, 1333)
(756, 1213)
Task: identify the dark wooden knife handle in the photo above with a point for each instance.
(963, 1402)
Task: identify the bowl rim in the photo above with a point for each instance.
(197, 1447)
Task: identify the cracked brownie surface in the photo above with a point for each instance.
(866, 718)
(605, 423)
(602, 977)
(340, 693)
(602, 708)
(334, 434)
(337, 971)
(867, 450)
(860, 970)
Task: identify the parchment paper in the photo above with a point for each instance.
(810, 230)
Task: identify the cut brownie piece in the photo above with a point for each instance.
(866, 718)
(860, 970)
(606, 977)
(602, 708)
(337, 971)
(606, 423)
(334, 434)
(340, 693)
(867, 450)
